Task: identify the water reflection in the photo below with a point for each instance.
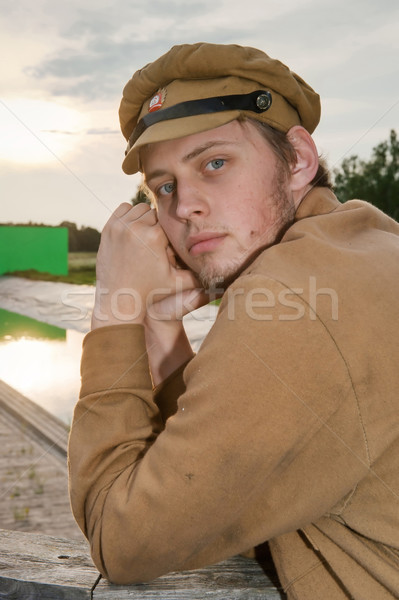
(41, 361)
(14, 326)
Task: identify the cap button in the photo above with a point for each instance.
(263, 101)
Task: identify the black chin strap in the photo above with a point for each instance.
(257, 102)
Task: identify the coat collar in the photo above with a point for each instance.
(318, 201)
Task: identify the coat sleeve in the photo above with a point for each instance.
(169, 391)
(265, 439)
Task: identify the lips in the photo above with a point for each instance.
(206, 241)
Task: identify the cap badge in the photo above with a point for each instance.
(157, 100)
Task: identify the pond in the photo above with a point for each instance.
(41, 361)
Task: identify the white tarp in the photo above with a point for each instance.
(69, 306)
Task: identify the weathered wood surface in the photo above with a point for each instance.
(35, 567)
(33, 469)
(43, 426)
(237, 578)
(38, 567)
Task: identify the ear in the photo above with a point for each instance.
(307, 163)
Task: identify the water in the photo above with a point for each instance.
(41, 361)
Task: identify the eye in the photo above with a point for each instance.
(215, 164)
(165, 189)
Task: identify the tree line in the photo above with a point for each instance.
(375, 180)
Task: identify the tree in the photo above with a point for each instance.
(141, 196)
(89, 239)
(73, 241)
(85, 239)
(376, 180)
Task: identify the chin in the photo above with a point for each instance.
(217, 278)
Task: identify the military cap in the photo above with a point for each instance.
(197, 87)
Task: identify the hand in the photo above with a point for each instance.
(137, 271)
(179, 302)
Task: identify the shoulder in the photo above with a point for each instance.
(331, 241)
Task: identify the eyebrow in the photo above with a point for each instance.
(197, 151)
(193, 154)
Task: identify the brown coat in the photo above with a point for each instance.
(287, 426)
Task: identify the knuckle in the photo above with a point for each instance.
(140, 209)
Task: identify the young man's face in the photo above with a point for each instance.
(221, 196)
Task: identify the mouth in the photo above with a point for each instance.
(204, 242)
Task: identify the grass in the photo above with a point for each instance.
(81, 270)
(21, 514)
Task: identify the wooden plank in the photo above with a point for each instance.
(39, 567)
(237, 578)
(33, 470)
(45, 427)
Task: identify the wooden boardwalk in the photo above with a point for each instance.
(33, 470)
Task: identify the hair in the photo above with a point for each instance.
(286, 153)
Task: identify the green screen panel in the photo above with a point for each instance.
(44, 249)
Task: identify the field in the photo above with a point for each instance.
(78, 260)
(81, 270)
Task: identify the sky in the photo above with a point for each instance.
(64, 65)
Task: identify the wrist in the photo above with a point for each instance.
(116, 310)
(167, 346)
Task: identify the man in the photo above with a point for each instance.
(284, 427)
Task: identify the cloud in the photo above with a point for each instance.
(105, 131)
(99, 48)
(96, 71)
(80, 53)
(96, 48)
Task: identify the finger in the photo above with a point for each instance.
(190, 300)
(173, 259)
(138, 211)
(186, 279)
(121, 211)
(149, 217)
(129, 213)
(196, 298)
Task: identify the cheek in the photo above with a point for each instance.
(171, 229)
(164, 222)
(252, 216)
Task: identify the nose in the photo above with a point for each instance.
(192, 201)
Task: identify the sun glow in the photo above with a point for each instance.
(37, 131)
(46, 371)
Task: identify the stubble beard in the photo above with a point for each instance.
(215, 278)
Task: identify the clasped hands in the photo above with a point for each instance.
(138, 277)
